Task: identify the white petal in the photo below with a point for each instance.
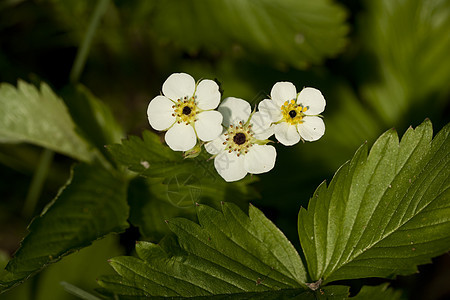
(216, 146)
(261, 125)
(312, 99)
(282, 92)
(311, 129)
(208, 125)
(234, 110)
(271, 109)
(230, 166)
(179, 85)
(160, 112)
(260, 159)
(208, 95)
(286, 134)
(181, 137)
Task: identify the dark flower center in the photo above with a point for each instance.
(239, 138)
(292, 113)
(186, 110)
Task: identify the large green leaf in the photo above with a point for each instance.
(91, 205)
(326, 293)
(288, 31)
(382, 214)
(41, 118)
(228, 253)
(409, 41)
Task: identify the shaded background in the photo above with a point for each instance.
(379, 64)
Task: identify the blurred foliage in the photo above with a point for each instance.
(91, 205)
(81, 268)
(293, 32)
(380, 64)
(40, 118)
(409, 46)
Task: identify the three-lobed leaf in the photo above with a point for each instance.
(228, 252)
(91, 205)
(41, 118)
(382, 214)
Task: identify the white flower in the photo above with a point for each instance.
(186, 111)
(242, 148)
(295, 116)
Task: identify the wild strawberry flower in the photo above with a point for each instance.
(294, 116)
(186, 111)
(242, 148)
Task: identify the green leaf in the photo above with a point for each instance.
(409, 41)
(174, 184)
(380, 292)
(149, 157)
(228, 253)
(91, 205)
(328, 292)
(95, 120)
(78, 292)
(41, 118)
(80, 269)
(186, 181)
(288, 31)
(382, 214)
(150, 205)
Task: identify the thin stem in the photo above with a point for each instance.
(37, 182)
(46, 158)
(83, 51)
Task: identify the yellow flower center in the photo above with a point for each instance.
(292, 112)
(185, 110)
(239, 138)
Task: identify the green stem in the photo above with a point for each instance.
(46, 158)
(83, 51)
(37, 182)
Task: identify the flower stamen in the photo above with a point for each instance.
(186, 110)
(240, 138)
(292, 112)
